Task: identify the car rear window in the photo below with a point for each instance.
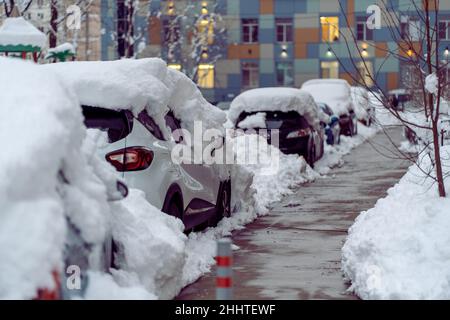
(117, 124)
(279, 119)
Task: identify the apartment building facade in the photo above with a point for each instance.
(287, 42)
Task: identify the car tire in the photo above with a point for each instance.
(223, 206)
(311, 155)
(350, 129)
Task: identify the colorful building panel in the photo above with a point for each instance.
(273, 42)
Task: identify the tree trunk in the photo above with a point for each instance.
(124, 28)
(437, 158)
(53, 24)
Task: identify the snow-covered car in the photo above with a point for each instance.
(55, 195)
(399, 99)
(291, 111)
(332, 127)
(364, 110)
(137, 108)
(336, 94)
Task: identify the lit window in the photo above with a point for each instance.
(330, 29)
(285, 74)
(250, 75)
(175, 66)
(330, 69)
(205, 76)
(205, 31)
(204, 7)
(170, 8)
(284, 30)
(249, 30)
(365, 73)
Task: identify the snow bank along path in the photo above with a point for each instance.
(399, 249)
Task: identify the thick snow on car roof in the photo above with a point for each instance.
(275, 99)
(137, 85)
(333, 92)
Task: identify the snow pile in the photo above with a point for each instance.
(125, 84)
(137, 85)
(62, 48)
(188, 104)
(46, 178)
(360, 99)
(18, 31)
(274, 99)
(257, 120)
(334, 92)
(151, 247)
(399, 249)
(65, 47)
(432, 83)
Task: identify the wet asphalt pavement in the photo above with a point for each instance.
(294, 253)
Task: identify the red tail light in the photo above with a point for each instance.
(130, 159)
(53, 294)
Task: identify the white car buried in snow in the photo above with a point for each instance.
(364, 109)
(336, 94)
(136, 109)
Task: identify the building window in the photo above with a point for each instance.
(205, 29)
(170, 8)
(250, 75)
(363, 33)
(330, 69)
(175, 66)
(249, 30)
(285, 74)
(330, 29)
(444, 29)
(365, 73)
(204, 9)
(410, 28)
(205, 76)
(40, 3)
(284, 30)
(171, 29)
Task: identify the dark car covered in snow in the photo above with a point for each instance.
(291, 112)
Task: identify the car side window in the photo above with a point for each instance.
(150, 125)
(174, 124)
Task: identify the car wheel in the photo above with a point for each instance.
(223, 206)
(310, 159)
(174, 209)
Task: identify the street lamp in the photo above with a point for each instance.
(364, 53)
(329, 53)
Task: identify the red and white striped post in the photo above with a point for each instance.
(224, 272)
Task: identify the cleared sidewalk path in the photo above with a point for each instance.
(294, 253)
